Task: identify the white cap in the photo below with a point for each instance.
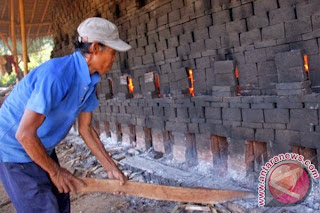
(102, 31)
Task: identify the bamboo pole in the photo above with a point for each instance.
(43, 15)
(13, 33)
(14, 40)
(4, 8)
(32, 16)
(23, 37)
(30, 42)
(5, 41)
(33, 24)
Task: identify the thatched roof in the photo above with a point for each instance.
(38, 18)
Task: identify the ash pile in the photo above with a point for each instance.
(149, 167)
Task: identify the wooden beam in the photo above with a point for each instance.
(13, 32)
(5, 41)
(30, 43)
(161, 192)
(49, 29)
(33, 10)
(4, 8)
(4, 21)
(45, 10)
(39, 24)
(32, 16)
(43, 15)
(23, 37)
(27, 24)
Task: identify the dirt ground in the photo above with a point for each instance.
(100, 203)
(96, 202)
(74, 156)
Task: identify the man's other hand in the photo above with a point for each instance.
(66, 182)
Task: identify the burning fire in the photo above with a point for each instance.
(236, 72)
(191, 89)
(306, 63)
(156, 79)
(130, 85)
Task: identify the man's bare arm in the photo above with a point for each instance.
(27, 136)
(94, 143)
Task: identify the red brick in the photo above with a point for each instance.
(144, 138)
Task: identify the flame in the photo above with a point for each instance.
(191, 89)
(156, 79)
(306, 63)
(236, 72)
(130, 85)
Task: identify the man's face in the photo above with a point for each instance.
(102, 59)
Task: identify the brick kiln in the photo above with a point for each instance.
(230, 83)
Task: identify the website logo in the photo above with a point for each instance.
(285, 180)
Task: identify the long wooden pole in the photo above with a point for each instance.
(27, 24)
(4, 8)
(43, 15)
(23, 37)
(162, 192)
(13, 34)
(5, 41)
(32, 15)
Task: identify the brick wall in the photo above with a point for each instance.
(265, 40)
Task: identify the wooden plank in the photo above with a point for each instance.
(161, 192)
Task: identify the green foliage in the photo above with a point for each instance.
(40, 55)
(40, 44)
(38, 52)
(3, 48)
(7, 79)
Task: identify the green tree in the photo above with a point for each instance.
(7, 79)
(38, 52)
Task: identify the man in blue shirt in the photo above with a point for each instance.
(39, 113)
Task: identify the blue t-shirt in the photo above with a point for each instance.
(59, 89)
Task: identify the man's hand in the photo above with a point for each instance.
(91, 138)
(27, 136)
(115, 173)
(65, 181)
